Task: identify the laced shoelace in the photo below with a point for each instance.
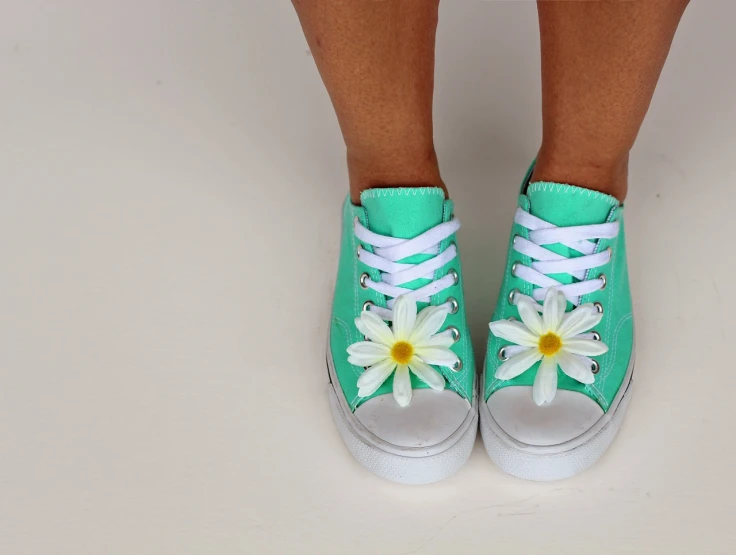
(582, 239)
(388, 250)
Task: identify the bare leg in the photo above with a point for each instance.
(377, 62)
(600, 63)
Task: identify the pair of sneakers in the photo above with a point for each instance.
(556, 381)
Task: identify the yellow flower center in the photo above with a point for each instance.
(549, 344)
(402, 352)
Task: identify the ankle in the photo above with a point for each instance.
(609, 177)
(394, 168)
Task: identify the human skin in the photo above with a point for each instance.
(601, 60)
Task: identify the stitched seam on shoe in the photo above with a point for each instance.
(609, 300)
(504, 294)
(457, 379)
(592, 388)
(355, 264)
(450, 376)
(402, 191)
(614, 351)
(354, 403)
(506, 277)
(346, 327)
(565, 189)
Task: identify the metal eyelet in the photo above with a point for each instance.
(512, 295)
(367, 304)
(502, 354)
(602, 277)
(454, 305)
(455, 333)
(599, 307)
(357, 251)
(455, 276)
(596, 335)
(516, 236)
(595, 367)
(356, 220)
(610, 253)
(457, 366)
(513, 268)
(363, 278)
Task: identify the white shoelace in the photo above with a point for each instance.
(387, 250)
(581, 238)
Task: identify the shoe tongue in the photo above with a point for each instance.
(404, 213)
(565, 206)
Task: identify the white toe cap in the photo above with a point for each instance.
(431, 417)
(568, 416)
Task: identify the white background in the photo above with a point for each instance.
(171, 174)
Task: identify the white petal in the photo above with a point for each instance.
(545, 382)
(368, 348)
(518, 364)
(575, 366)
(444, 340)
(579, 320)
(402, 385)
(586, 347)
(437, 355)
(428, 322)
(530, 316)
(427, 374)
(370, 380)
(367, 353)
(553, 310)
(374, 328)
(361, 327)
(516, 332)
(405, 314)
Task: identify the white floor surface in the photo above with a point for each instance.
(171, 174)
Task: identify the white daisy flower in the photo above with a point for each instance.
(555, 338)
(410, 346)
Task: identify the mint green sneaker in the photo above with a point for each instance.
(403, 397)
(556, 386)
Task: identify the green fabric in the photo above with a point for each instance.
(405, 213)
(579, 207)
(404, 216)
(567, 205)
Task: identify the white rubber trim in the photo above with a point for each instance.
(405, 465)
(555, 462)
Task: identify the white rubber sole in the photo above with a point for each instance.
(403, 465)
(555, 462)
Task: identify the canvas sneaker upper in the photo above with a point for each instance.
(400, 241)
(570, 239)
